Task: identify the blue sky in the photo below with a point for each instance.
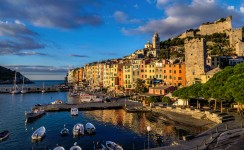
(43, 39)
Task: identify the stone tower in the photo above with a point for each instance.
(156, 41)
(195, 60)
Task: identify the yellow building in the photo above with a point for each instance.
(127, 76)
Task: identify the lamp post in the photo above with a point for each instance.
(148, 130)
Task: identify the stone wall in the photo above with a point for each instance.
(195, 59)
(235, 36)
(187, 34)
(216, 27)
(240, 48)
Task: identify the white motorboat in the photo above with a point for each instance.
(113, 146)
(90, 128)
(59, 148)
(39, 133)
(75, 147)
(31, 115)
(43, 88)
(64, 131)
(74, 111)
(78, 129)
(57, 102)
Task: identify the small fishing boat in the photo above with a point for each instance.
(36, 113)
(75, 147)
(57, 102)
(99, 146)
(4, 135)
(78, 129)
(64, 131)
(113, 146)
(43, 88)
(90, 128)
(74, 111)
(59, 148)
(39, 133)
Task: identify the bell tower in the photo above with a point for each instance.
(156, 41)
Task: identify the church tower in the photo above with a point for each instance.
(156, 41)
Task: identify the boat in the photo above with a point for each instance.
(43, 88)
(4, 135)
(64, 131)
(59, 148)
(78, 129)
(99, 146)
(57, 102)
(74, 111)
(15, 89)
(113, 146)
(39, 133)
(75, 147)
(23, 91)
(90, 128)
(84, 97)
(36, 113)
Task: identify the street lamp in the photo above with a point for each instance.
(148, 130)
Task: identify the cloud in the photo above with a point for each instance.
(80, 56)
(136, 6)
(242, 9)
(122, 17)
(231, 7)
(31, 53)
(51, 13)
(15, 37)
(37, 69)
(182, 16)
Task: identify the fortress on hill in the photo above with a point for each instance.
(223, 25)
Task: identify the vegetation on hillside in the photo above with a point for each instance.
(226, 85)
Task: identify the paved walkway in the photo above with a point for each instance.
(228, 135)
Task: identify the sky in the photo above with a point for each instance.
(43, 39)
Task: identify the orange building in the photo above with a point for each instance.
(174, 74)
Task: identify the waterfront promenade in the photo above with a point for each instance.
(227, 135)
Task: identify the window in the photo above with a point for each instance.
(174, 71)
(179, 78)
(164, 71)
(179, 71)
(142, 76)
(169, 71)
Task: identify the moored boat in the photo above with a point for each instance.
(75, 147)
(64, 131)
(39, 133)
(57, 102)
(113, 146)
(59, 148)
(34, 114)
(78, 129)
(74, 111)
(4, 135)
(90, 128)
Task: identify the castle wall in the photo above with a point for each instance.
(187, 34)
(235, 36)
(240, 48)
(216, 27)
(195, 60)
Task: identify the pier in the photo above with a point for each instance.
(120, 104)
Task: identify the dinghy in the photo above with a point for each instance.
(75, 147)
(64, 131)
(4, 135)
(59, 148)
(78, 129)
(74, 111)
(113, 146)
(90, 128)
(39, 133)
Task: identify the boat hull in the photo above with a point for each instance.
(39, 133)
(4, 135)
(78, 129)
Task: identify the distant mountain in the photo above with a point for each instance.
(7, 76)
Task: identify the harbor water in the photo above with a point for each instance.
(127, 129)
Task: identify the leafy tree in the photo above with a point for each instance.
(163, 54)
(140, 86)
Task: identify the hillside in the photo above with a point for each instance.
(7, 76)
